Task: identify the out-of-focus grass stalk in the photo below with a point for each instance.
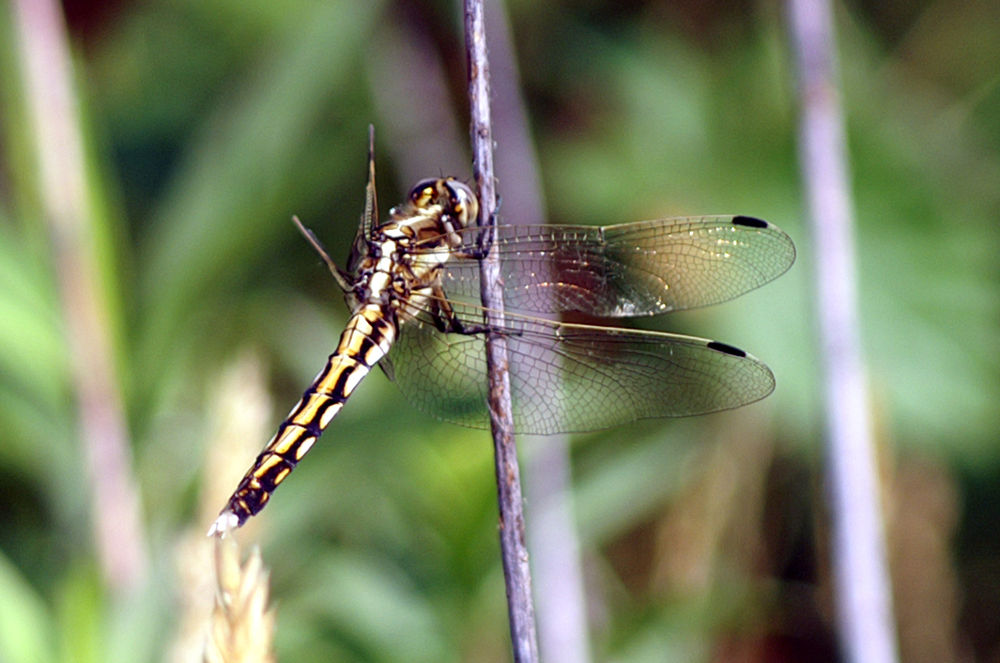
(69, 210)
(242, 628)
(240, 408)
(863, 594)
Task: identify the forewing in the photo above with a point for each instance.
(369, 216)
(634, 269)
(568, 378)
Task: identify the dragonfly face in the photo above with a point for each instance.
(412, 284)
(453, 202)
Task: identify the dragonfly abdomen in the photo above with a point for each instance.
(367, 338)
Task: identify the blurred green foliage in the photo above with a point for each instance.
(212, 122)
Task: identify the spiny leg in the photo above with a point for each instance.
(447, 321)
(342, 277)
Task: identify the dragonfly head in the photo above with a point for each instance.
(448, 197)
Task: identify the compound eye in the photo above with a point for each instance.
(422, 193)
(464, 203)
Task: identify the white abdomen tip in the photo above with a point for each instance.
(224, 524)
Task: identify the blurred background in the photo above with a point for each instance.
(183, 315)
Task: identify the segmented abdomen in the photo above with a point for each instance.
(366, 339)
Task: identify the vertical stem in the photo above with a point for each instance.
(514, 552)
(71, 221)
(561, 601)
(863, 588)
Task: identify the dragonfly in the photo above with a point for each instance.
(412, 286)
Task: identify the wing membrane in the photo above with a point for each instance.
(569, 377)
(634, 269)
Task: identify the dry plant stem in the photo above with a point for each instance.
(71, 221)
(514, 552)
(864, 603)
(560, 596)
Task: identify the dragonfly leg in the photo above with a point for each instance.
(485, 240)
(452, 325)
(489, 232)
(342, 277)
(447, 321)
(457, 326)
(444, 318)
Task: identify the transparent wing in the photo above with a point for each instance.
(569, 377)
(369, 216)
(634, 269)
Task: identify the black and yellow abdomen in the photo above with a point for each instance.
(366, 339)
